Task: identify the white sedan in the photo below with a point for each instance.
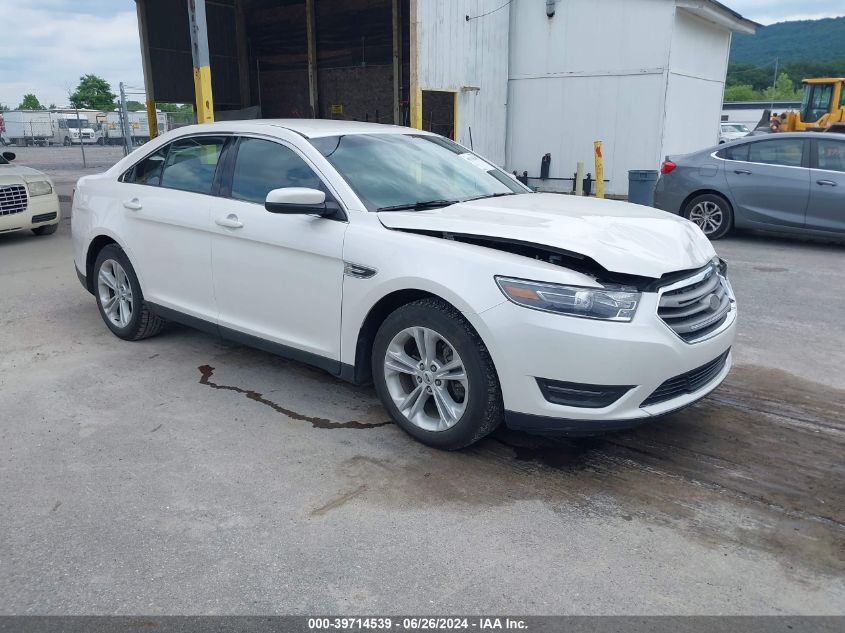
(28, 199)
(389, 254)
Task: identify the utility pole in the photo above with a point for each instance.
(199, 54)
(124, 122)
(775, 82)
(81, 142)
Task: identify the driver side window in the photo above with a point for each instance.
(262, 166)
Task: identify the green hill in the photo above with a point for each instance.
(817, 40)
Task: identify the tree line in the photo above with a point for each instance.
(747, 82)
(94, 93)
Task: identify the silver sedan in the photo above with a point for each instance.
(790, 183)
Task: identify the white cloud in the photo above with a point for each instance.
(45, 50)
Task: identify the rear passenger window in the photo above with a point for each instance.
(191, 163)
(787, 152)
(740, 152)
(831, 155)
(262, 166)
(148, 171)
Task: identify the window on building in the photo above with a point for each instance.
(262, 166)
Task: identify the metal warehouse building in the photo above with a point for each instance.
(514, 80)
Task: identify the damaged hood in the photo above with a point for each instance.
(621, 237)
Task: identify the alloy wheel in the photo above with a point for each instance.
(708, 216)
(426, 379)
(115, 293)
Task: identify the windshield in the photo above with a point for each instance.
(73, 123)
(734, 127)
(391, 171)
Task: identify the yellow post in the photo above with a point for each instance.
(599, 170)
(152, 121)
(416, 108)
(199, 53)
(202, 92)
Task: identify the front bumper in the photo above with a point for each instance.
(40, 211)
(643, 354)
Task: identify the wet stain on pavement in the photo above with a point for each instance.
(207, 371)
(757, 465)
(339, 501)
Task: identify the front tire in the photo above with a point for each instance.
(435, 377)
(119, 297)
(712, 213)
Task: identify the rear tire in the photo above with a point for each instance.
(47, 229)
(712, 213)
(449, 396)
(119, 297)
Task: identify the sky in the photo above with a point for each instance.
(46, 45)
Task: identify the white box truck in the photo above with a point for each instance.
(70, 130)
(28, 127)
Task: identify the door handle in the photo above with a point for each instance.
(231, 221)
(827, 183)
(132, 204)
(742, 172)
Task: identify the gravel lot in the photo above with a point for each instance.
(185, 474)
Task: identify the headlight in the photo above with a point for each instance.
(39, 188)
(588, 303)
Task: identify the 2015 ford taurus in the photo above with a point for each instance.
(393, 255)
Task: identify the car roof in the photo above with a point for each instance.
(309, 128)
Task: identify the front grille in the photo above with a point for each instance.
(689, 382)
(695, 310)
(44, 217)
(12, 199)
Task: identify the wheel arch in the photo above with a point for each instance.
(95, 245)
(713, 192)
(360, 372)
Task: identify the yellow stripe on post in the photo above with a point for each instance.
(599, 170)
(152, 121)
(416, 109)
(202, 90)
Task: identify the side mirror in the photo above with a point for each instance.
(10, 156)
(298, 200)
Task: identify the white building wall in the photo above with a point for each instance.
(458, 55)
(698, 64)
(595, 71)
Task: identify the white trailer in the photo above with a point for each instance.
(139, 128)
(28, 127)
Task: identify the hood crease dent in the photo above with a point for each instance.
(624, 238)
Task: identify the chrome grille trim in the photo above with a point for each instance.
(12, 199)
(699, 307)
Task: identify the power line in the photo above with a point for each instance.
(489, 12)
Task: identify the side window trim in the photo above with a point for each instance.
(232, 157)
(129, 175)
(227, 138)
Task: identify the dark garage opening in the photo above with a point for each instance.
(259, 52)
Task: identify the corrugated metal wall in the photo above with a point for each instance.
(458, 55)
(697, 69)
(594, 71)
